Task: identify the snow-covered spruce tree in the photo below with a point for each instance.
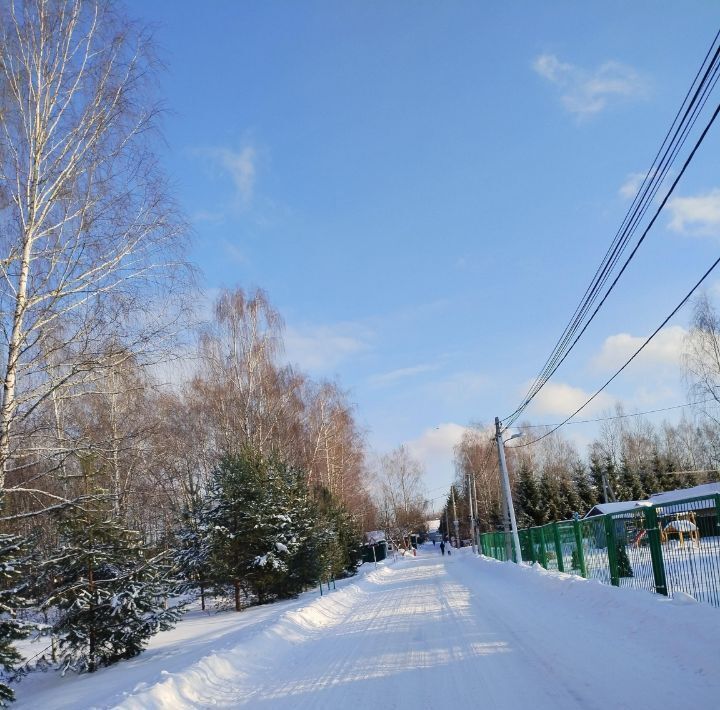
(337, 537)
(109, 593)
(12, 560)
(261, 522)
(192, 555)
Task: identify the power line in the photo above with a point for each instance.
(634, 355)
(671, 145)
(620, 416)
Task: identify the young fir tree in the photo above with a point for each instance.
(261, 522)
(624, 566)
(663, 469)
(340, 549)
(597, 476)
(192, 555)
(13, 557)
(570, 501)
(110, 594)
(550, 497)
(529, 503)
(649, 480)
(587, 495)
(631, 487)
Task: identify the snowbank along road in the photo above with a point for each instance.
(432, 631)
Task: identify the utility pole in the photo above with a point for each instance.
(477, 512)
(472, 516)
(508, 492)
(456, 522)
(474, 512)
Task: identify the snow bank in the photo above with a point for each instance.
(195, 663)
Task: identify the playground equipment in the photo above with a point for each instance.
(682, 525)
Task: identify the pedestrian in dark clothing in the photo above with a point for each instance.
(442, 546)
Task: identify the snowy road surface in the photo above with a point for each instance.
(431, 632)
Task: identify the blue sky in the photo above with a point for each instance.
(425, 190)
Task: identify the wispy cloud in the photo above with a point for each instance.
(632, 183)
(239, 167)
(457, 387)
(390, 378)
(320, 348)
(586, 92)
(234, 253)
(699, 215)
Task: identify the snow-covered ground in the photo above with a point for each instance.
(422, 632)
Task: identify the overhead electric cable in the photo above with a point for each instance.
(517, 412)
(561, 350)
(675, 138)
(619, 416)
(631, 358)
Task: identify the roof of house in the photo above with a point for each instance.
(662, 499)
(603, 508)
(706, 489)
(375, 536)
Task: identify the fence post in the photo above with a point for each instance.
(531, 540)
(612, 550)
(651, 526)
(543, 551)
(558, 548)
(717, 513)
(580, 552)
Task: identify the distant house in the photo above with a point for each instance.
(702, 512)
(374, 536)
(433, 528)
(666, 499)
(375, 547)
(672, 514)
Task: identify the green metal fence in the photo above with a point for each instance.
(664, 548)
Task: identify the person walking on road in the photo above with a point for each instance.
(442, 546)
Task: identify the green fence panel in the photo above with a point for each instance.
(691, 560)
(557, 540)
(633, 552)
(653, 534)
(542, 549)
(612, 552)
(665, 548)
(578, 561)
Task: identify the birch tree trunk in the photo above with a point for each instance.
(92, 254)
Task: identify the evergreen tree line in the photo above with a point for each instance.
(550, 481)
(260, 531)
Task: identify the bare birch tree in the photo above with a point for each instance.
(90, 243)
(401, 494)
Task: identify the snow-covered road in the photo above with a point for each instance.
(433, 631)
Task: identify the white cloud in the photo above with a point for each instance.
(434, 449)
(320, 348)
(665, 348)
(560, 400)
(438, 441)
(587, 92)
(698, 215)
(389, 378)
